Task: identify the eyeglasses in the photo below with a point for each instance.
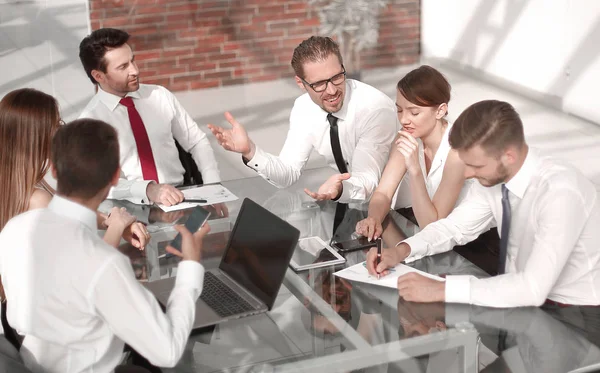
(61, 122)
(321, 85)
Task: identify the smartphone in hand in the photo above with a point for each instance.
(197, 218)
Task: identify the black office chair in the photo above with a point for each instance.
(10, 361)
(192, 175)
(10, 343)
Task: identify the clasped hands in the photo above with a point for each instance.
(408, 146)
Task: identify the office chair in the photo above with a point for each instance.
(10, 361)
(192, 175)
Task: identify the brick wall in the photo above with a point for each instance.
(192, 44)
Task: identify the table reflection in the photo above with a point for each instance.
(536, 340)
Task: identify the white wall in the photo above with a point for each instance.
(548, 49)
(39, 47)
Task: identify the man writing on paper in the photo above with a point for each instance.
(547, 213)
(348, 122)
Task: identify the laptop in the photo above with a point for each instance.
(251, 271)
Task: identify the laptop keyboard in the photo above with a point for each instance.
(224, 301)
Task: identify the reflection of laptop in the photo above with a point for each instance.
(251, 271)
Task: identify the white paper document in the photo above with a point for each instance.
(211, 193)
(358, 272)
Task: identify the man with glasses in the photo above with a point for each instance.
(349, 123)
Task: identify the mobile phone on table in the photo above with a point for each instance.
(197, 218)
(360, 243)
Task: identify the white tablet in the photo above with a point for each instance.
(313, 252)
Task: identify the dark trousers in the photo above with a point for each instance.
(138, 361)
(483, 251)
(131, 369)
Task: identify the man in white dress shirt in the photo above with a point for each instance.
(335, 112)
(74, 297)
(147, 118)
(547, 213)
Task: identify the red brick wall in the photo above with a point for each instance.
(192, 44)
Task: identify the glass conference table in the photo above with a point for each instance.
(321, 323)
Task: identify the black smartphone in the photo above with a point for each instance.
(197, 218)
(360, 243)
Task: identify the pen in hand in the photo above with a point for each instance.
(378, 260)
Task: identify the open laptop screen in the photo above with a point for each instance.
(259, 250)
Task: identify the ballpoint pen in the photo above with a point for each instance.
(378, 255)
(389, 269)
(194, 200)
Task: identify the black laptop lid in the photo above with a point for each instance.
(259, 251)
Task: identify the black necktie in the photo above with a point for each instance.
(336, 148)
(505, 231)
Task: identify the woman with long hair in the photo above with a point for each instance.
(422, 171)
(28, 120)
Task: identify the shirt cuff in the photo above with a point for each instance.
(190, 274)
(138, 191)
(458, 289)
(211, 177)
(418, 248)
(346, 195)
(259, 161)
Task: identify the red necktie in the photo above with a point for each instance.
(141, 140)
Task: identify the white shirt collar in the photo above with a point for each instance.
(520, 182)
(72, 210)
(342, 113)
(112, 101)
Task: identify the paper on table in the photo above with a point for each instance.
(358, 272)
(211, 193)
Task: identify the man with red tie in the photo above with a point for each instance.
(148, 119)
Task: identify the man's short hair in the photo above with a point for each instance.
(314, 49)
(85, 154)
(494, 125)
(94, 46)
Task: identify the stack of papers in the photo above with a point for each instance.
(211, 193)
(358, 272)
